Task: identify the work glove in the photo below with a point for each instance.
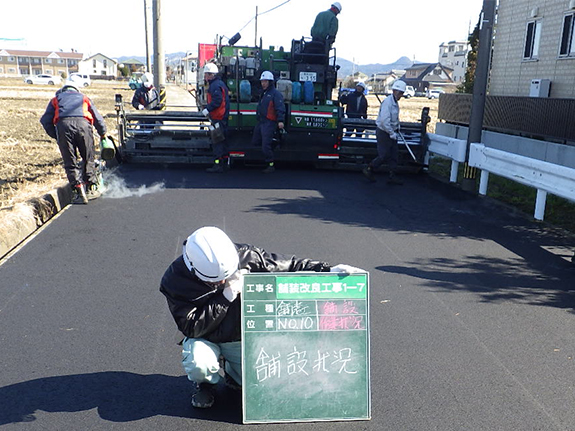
(393, 136)
(140, 106)
(348, 269)
(234, 285)
(206, 112)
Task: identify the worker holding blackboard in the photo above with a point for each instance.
(202, 287)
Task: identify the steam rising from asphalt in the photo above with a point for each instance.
(116, 188)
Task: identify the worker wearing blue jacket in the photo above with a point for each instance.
(218, 111)
(69, 118)
(270, 117)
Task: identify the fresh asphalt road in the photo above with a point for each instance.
(472, 315)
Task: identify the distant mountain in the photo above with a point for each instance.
(348, 68)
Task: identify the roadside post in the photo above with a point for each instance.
(305, 347)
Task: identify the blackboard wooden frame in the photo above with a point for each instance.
(305, 347)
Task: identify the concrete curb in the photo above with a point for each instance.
(43, 209)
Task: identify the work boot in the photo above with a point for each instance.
(93, 192)
(393, 180)
(204, 396)
(216, 169)
(269, 169)
(79, 194)
(368, 173)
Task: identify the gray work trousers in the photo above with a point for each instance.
(76, 142)
(386, 149)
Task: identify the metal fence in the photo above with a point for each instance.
(538, 118)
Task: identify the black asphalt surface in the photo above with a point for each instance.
(472, 318)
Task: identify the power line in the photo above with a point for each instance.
(263, 13)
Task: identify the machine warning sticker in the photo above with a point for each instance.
(323, 120)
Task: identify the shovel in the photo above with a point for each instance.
(415, 161)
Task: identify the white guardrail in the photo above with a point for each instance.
(544, 176)
(452, 148)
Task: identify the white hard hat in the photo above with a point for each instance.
(210, 254)
(362, 85)
(399, 85)
(148, 80)
(210, 68)
(337, 5)
(267, 75)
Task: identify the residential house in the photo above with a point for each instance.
(99, 66)
(134, 65)
(381, 82)
(454, 55)
(534, 40)
(429, 76)
(17, 62)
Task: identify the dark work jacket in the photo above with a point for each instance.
(356, 104)
(218, 100)
(325, 26)
(271, 106)
(201, 311)
(148, 97)
(71, 103)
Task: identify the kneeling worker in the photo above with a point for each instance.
(202, 288)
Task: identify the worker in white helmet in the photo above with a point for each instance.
(202, 288)
(386, 132)
(326, 25)
(270, 116)
(217, 110)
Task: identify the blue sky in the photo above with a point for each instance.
(370, 31)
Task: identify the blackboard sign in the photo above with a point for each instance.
(305, 347)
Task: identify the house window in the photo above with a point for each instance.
(532, 37)
(60, 61)
(105, 63)
(567, 47)
(11, 70)
(94, 64)
(11, 59)
(48, 60)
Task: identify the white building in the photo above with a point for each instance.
(99, 65)
(454, 55)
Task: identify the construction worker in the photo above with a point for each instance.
(202, 288)
(386, 132)
(326, 25)
(217, 110)
(147, 96)
(270, 117)
(69, 118)
(355, 105)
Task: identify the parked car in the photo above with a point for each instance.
(409, 92)
(43, 79)
(80, 79)
(434, 94)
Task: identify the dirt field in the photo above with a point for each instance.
(30, 163)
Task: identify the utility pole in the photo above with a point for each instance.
(159, 63)
(147, 27)
(479, 88)
(256, 34)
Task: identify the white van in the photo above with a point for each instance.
(80, 79)
(409, 92)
